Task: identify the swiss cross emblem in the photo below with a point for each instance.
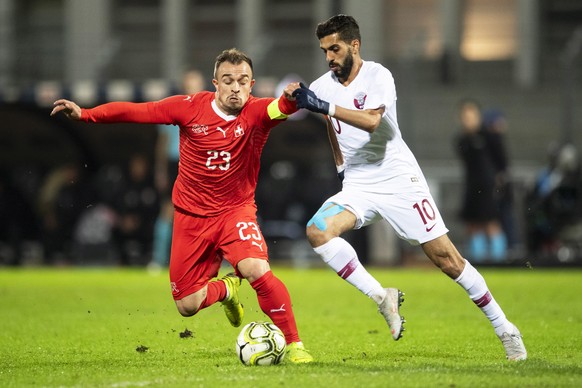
(239, 131)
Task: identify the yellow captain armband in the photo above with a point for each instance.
(274, 112)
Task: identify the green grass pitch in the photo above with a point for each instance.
(120, 328)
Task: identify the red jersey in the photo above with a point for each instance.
(219, 154)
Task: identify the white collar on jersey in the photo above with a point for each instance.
(220, 113)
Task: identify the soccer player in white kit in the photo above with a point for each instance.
(381, 180)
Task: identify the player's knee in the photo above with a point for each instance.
(190, 304)
(330, 221)
(316, 236)
(252, 268)
(187, 311)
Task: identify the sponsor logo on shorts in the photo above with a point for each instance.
(257, 244)
(429, 228)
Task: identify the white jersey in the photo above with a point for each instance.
(380, 161)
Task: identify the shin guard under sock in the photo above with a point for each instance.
(275, 301)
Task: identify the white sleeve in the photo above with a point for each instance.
(382, 90)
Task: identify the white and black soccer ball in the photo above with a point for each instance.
(260, 343)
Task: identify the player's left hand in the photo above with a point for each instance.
(306, 99)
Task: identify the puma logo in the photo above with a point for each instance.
(280, 309)
(257, 244)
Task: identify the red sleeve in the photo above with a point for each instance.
(166, 111)
(286, 106)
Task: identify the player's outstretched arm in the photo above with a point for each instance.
(69, 108)
(367, 120)
(167, 111)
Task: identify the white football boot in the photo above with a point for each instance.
(390, 309)
(513, 344)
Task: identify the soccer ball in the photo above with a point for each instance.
(260, 343)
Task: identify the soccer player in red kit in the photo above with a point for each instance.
(222, 135)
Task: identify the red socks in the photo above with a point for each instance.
(216, 291)
(275, 301)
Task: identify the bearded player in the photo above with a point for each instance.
(222, 135)
(382, 180)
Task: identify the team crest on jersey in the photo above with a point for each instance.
(239, 131)
(200, 128)
(359, 100)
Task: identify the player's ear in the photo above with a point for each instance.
(356, 46)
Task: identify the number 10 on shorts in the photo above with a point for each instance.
(426, 213)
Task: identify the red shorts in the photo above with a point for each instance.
(200, 243)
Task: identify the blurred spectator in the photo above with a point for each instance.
(93, 236)
(495, 125)
(479, 209)
(136, 208)
(62, 198)
(554, 204)
(166, 171)
(17, 222)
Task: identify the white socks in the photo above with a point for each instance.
(472, 281)
(341, 256)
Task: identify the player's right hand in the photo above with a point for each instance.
(306, 99)
(69, 108)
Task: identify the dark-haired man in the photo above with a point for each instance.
(381, 180)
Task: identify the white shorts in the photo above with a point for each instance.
(413, 215)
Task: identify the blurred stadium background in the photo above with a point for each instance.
(60, 180)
